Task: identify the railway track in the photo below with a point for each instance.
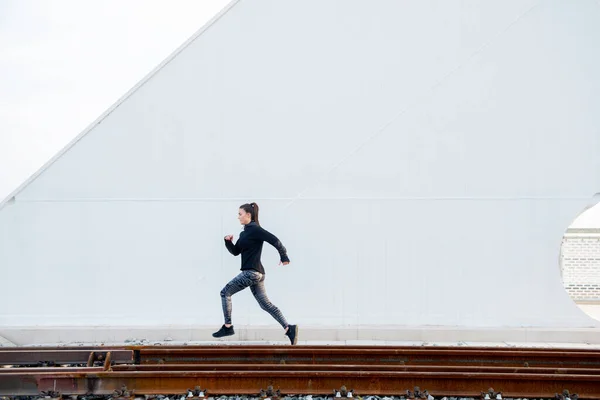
(129, 371)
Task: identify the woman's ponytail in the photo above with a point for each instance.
(255, 213)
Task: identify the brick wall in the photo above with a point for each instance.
(580, 264)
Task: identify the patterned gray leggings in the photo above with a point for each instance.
(256, 281)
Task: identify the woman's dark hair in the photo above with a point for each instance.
(252, 209)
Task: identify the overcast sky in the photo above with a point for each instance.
(64, 62)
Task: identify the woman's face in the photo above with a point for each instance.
(244, 217)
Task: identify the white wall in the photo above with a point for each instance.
(588, 219)
(420, 161)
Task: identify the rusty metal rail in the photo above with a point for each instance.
(32, 357)
(377, 355)
(368, 370)
(346, 367)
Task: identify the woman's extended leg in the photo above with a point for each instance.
(260, 294)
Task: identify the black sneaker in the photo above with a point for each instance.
(292, 333)
(224, 331)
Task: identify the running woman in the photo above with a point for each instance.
(249, 245)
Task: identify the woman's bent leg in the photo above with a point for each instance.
(240, 282)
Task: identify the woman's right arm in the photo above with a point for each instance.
(233, 248)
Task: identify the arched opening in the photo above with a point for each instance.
(580, 260)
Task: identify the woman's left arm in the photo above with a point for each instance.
(273, 241)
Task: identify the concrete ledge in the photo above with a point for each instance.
(32, 335)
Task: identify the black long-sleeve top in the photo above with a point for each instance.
(250, 244)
